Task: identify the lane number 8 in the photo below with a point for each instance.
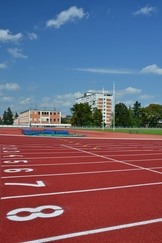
(32, 213)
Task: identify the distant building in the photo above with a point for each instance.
(102, 101)
(39, 117)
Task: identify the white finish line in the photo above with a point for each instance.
(96, 231)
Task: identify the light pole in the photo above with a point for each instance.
(114, 106)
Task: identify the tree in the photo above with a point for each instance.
(16, 115)
(122, 115)
(136, 112)
(97, 117)
(131, 118)
(8, 118)
(81, 115)
(66, 120)
(1, 121)
(153, 114)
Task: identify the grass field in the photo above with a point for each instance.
(153, 131)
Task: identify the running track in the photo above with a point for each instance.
(84, 190)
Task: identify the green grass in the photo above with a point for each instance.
(153, 131)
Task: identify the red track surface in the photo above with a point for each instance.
(105, 190)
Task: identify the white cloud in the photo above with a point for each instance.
(131, 90)
(32, 36)
(26, 101)
(61, 103)
(146, 97)
(7, 99)
(66, 16)
(69, 96)
(154, 69)
(3, 66)
(147, 11)
(16, 53)
(9, 86)
(99, 91)
(128, 91)
(6, 36)
(105, 70)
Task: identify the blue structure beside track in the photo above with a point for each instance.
(32, 132)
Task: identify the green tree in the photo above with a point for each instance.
(152, 115)
(16, 115)
(97, 117)
(1, 121)
(66, 120)
(122, 115)
(81, 115)
(131, 118)
(144, 117)
(136, 114)
(8, 117)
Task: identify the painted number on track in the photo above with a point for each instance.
(18, 170)
(15, 161)
(37, 184)
(19, 214)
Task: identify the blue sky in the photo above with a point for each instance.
(53, 51)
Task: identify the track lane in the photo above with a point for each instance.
(87, 211)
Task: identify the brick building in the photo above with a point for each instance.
(34, 117)
(102, 101)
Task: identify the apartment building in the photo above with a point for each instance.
(39, 117)
(102, 101)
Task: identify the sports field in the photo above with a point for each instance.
(96, 188)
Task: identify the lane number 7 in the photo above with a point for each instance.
(37, 184)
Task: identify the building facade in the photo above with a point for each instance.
(40, 117)
(102, 101)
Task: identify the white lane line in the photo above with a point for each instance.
(96, 231)
(115, 160)
(77, 173)
(83, 191)
(83, 163)
(142, 160)
(70, 173)
(132, 154)
(62, 164)
(50, 157)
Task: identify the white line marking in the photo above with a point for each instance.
(115, 160)
(143, 160)
(131, 154)
(96, 231)
(70, 173)
(63, 164)
(84, 163)
(77, 173)
(83, 191)
(54, 157)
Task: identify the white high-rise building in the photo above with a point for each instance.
(100, 100)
